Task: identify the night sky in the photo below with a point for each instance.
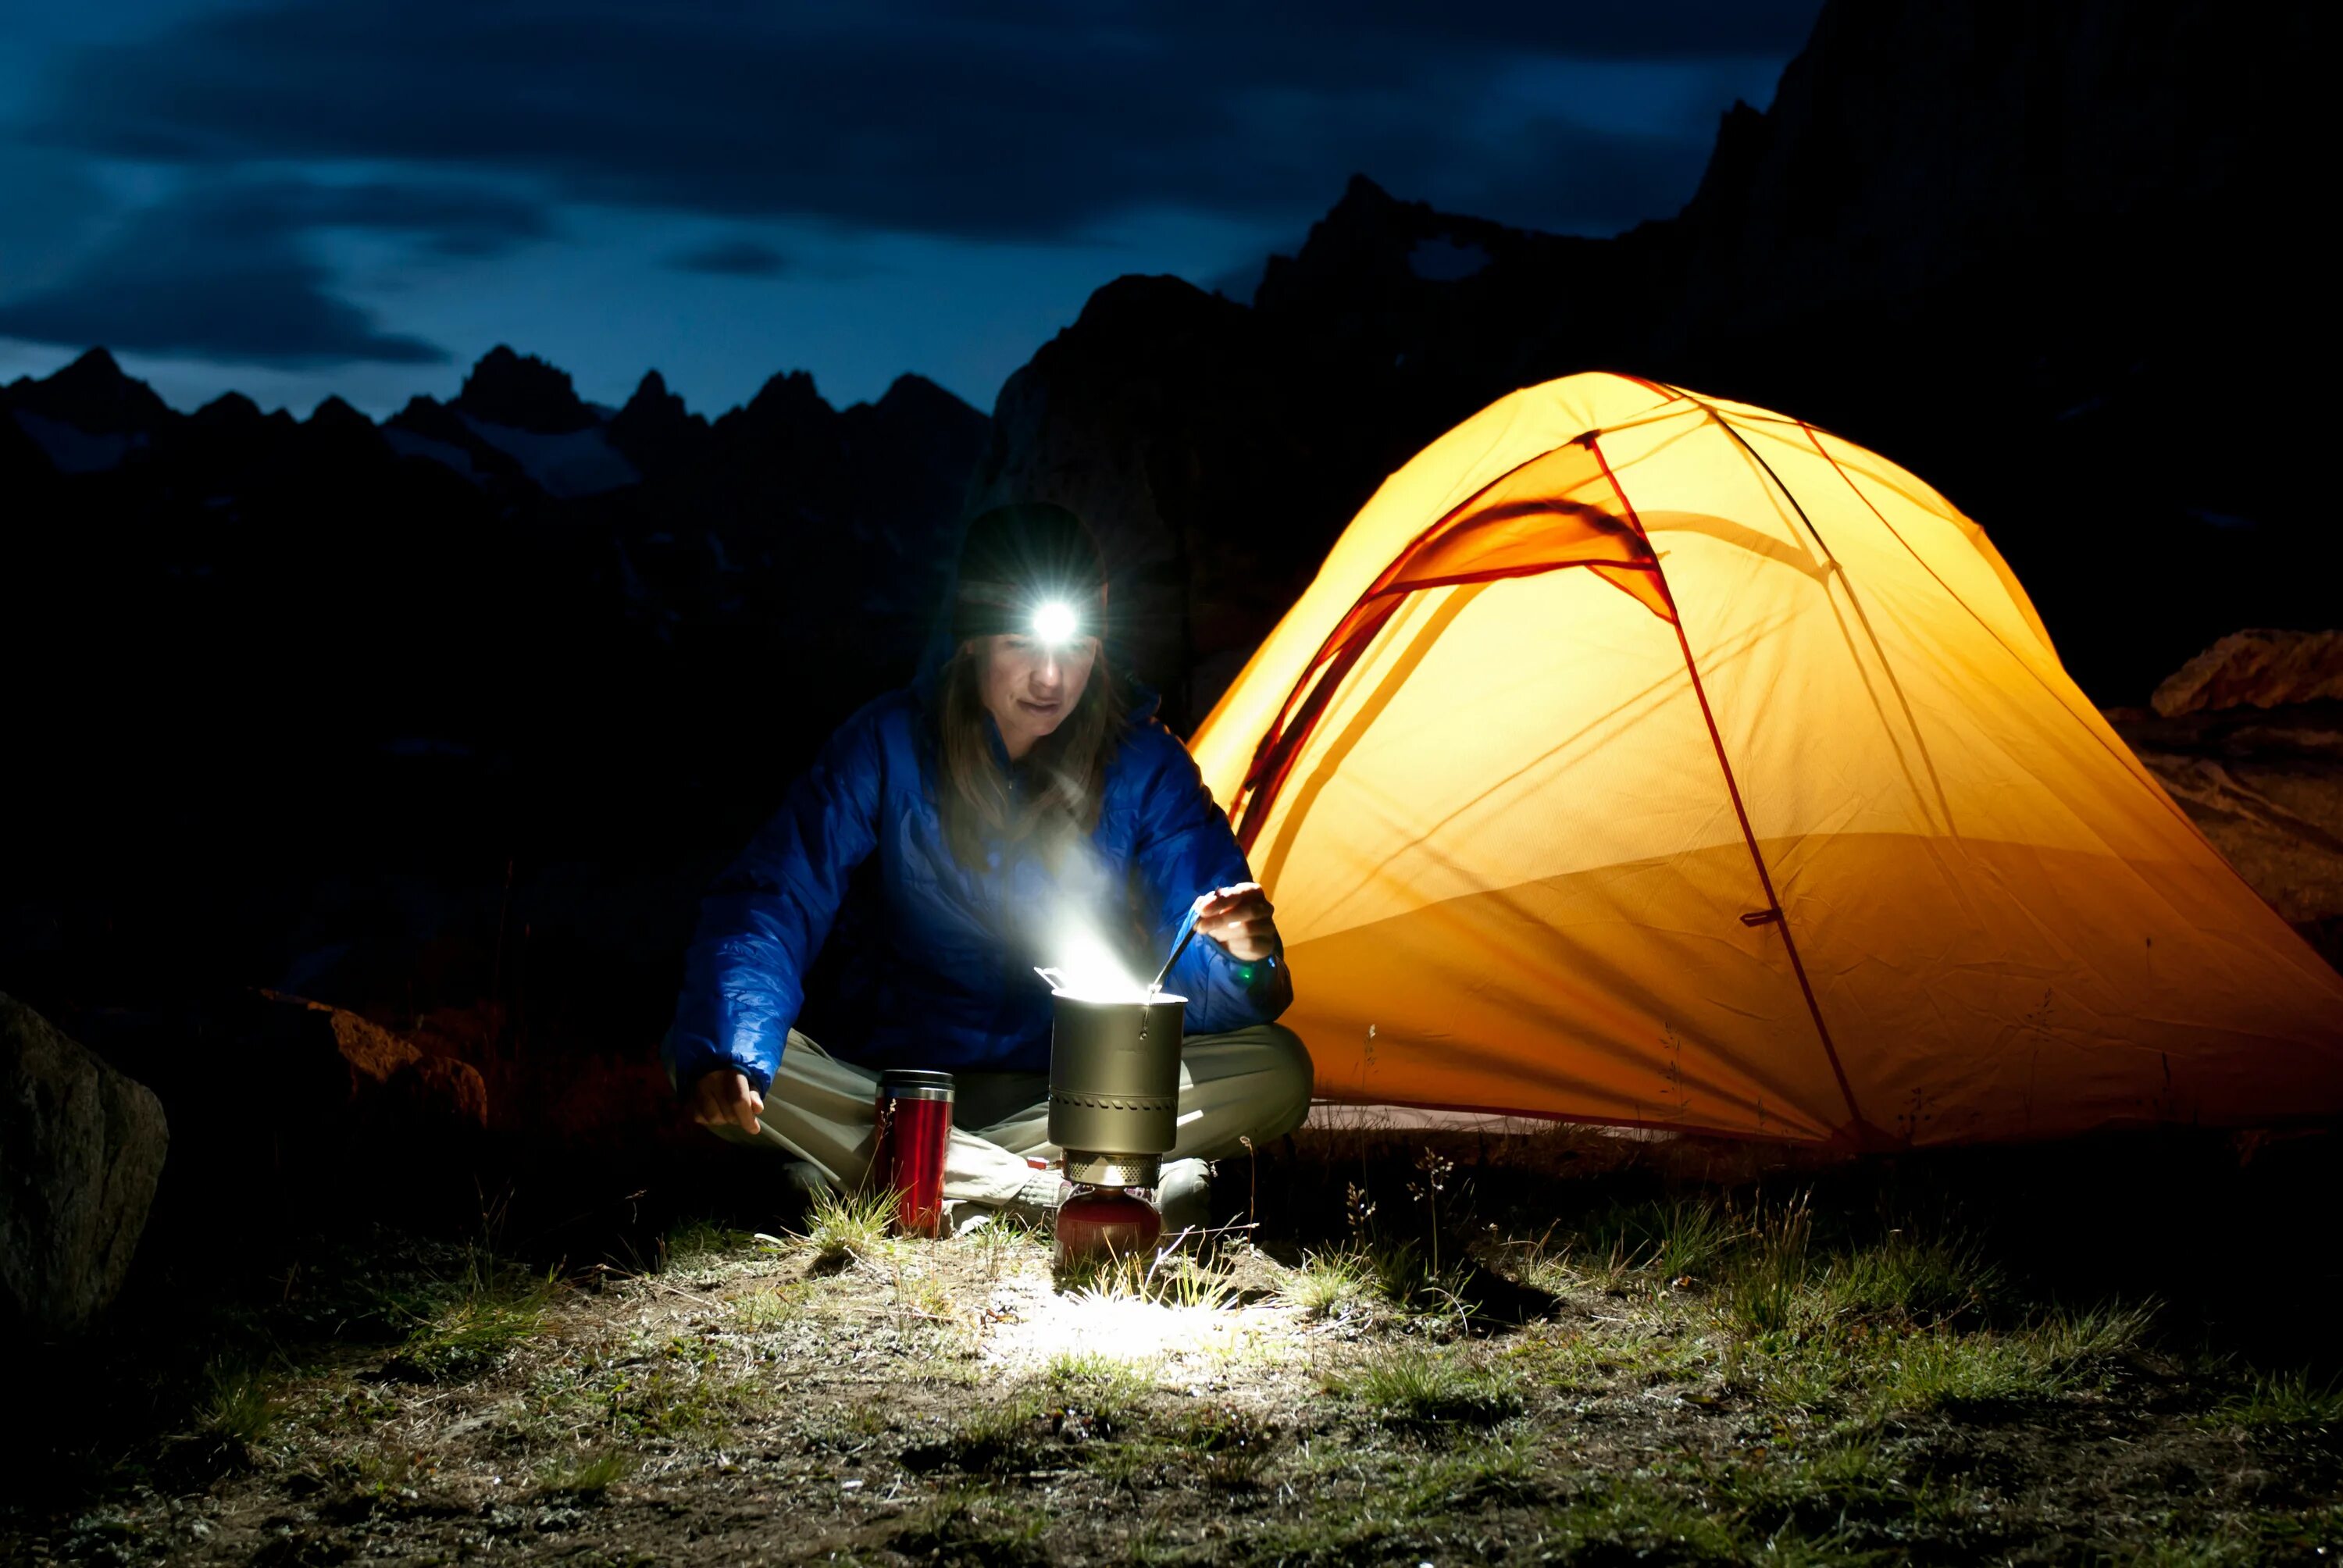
(293, 198)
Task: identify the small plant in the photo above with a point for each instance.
(1002, 1437)
(846, 1228)
(1327, 1284)
(1098, 1396)
(1253, 1180)
(588, 1477)
(238, 1411)
(497, 1310)
(1220, 1429)
(1762, 1283)
(670, 1396)
(1178, 1280)
(2067, 1340)
(1436, 1169)
(1498, 1471)
(1936, 1371)
(2285, 1400)
(1419, 1390)
(1689, 1236)
(1168, 1280)
(1679, 1239)
(759, 1312)
(698, 1241)
(1913, 1278)
(972, 1527)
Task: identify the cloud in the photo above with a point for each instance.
(1033, 121)
(221, 273)
(451, 220)
(740, 257)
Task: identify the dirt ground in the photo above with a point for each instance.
(1425, 1351)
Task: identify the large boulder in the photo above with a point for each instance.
(2256, 670)
(2248, 738)
(81, 1150)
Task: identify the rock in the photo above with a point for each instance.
(322, 1060)
(2255, 669)
(286, 1109)
(81, 1150)
(2266, 786)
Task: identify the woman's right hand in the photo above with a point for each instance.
(723, 1096)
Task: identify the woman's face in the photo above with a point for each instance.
(1031, 685)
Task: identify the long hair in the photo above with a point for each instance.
(1064, 774)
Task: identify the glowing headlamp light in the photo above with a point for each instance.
(1055, 622)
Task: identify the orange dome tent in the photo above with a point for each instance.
(1780, 817)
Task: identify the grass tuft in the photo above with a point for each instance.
(2284, 1401)
(1914, 1278)
(237, 1411)
(1100, 1394)
(1168, 1280)
(2066, 1341)
(694, 1242)
(1944, 1370)
(1766, 1274)
(588, 1477)
(1418, 1391)
(972, 1527)
(493, 1310)
(1327, 1286)
(1499, 1472)
(999, 1437)
(846, 1228)
(759, 1312)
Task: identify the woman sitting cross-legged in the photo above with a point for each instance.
(1019, 804)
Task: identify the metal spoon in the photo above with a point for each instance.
(1179, 945)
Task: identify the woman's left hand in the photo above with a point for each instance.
(1238, 918)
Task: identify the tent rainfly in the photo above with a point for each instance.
(1647, 759)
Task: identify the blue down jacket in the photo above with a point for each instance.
(945, 957)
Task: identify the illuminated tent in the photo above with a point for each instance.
(1647, 759)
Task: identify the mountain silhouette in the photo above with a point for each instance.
(2005, 246)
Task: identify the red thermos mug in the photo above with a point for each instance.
(915, 1114)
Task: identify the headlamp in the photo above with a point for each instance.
(1055, 622)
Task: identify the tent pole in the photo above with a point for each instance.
(1773, 914)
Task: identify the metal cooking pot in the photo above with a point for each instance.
(1114, 1086)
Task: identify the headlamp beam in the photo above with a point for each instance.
(1055, 622)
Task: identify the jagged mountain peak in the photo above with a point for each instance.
(95, 394)
(909, 393)
(651, 399)
(335, 417)
(655, 430)
(792, 394)
(523, 392)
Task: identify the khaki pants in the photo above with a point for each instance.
(1251, 1083)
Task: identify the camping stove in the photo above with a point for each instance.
(1115, 1109)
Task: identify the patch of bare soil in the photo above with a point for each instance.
(1647, 1372)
